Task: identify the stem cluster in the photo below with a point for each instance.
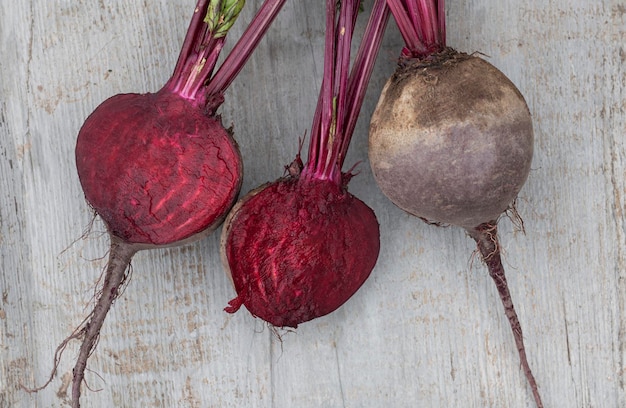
(422, 24)
(193, 77)
(343, 89)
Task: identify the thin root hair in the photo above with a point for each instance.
(58, 353)
(86, 232)
(516, 219)
(87, 384)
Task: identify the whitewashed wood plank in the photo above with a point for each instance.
(426, 330)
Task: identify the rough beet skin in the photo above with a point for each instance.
(464, 131)
(156, 169)
(298, 249)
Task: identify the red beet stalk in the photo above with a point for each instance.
(299, 247)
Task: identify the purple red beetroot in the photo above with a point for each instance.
(307, 258)
(300, 247)
(159, 168)
(170, 171)
(451, 141)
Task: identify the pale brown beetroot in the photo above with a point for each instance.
(300, 247)
(451, 141)
(159, 168)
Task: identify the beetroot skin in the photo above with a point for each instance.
(451, 141)
(298, 249)
(156, 169)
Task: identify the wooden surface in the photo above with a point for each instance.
(426, 330)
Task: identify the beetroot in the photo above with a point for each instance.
(468, 147)
(300, 247)
(171, 172)
(306, 260)
(451, 141)
(159, 168)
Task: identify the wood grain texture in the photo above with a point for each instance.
(427, 329)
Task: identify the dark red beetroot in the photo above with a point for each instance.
(156, 169)
(160, 169)
(451, 141)
(300, 247)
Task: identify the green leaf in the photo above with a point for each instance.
(221, 15)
